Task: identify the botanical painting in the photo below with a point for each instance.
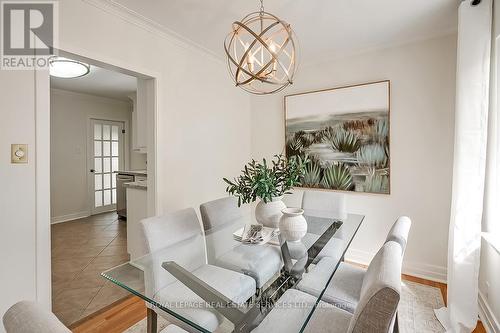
(345, 132)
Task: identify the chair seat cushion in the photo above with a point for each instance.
(328, 320)
(237, 287)
(292, 309)
(344, 289)
(259, 262)
(334, 248)
(187, 304)
(316, 279)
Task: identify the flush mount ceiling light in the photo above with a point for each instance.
(261, 53)
(67, 68)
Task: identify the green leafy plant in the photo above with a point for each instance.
(294, 146)
(373, 155)
(344, 141)
(312, 176)
(306, 138)
(376, 183)
(337, 177)
(260, 180)
(382, 130)
(318, 136)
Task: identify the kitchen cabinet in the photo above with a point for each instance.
(142, 105)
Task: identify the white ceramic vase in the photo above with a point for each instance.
(269, 214)
(293, 225)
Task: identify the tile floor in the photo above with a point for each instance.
(81, 250)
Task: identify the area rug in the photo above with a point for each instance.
(416, 308)
(415, 313)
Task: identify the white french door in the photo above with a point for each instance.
(106, 156)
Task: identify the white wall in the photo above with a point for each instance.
(17, 197)
(422, 121)
(70, 113)
(203, 130)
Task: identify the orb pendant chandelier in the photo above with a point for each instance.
(261, 53)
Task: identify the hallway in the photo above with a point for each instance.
(81, 250)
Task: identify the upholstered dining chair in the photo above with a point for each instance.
(259, 262)
(380, 295)
(399, 231)
(29, 317)
(178, 237)
(345, 288)
(324, 204)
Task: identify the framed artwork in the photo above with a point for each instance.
(345, 132)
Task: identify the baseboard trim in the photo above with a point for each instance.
(69, 217)
(490, 323)
(421, 270)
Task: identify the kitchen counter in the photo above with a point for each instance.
(139, 185)
(133, 172)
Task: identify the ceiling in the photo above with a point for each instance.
(100, 82)
(325, 28)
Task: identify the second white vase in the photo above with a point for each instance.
(269, 214)
(293, 226)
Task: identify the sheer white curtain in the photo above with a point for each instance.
(471, 140)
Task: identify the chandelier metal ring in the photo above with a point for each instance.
(264, 44)
(261, 53)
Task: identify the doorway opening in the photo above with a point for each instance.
(102, 138)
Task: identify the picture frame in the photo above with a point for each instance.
(345, 131)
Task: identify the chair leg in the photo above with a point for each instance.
(152, 320)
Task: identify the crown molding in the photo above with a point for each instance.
(131, 16)
(141, 21)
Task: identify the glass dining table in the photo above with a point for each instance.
(159, 276)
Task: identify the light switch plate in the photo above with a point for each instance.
(18, 153)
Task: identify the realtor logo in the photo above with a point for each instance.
(28, 33)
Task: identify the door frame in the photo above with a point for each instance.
(43, 278)
(90, 149)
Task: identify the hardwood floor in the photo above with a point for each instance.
(113, 319)
(123, 314)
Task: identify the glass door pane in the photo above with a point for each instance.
(107, 159)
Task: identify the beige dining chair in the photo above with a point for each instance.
(177, 237)
(30, 317)
(260, 262)
(344, 290)
(380, 295)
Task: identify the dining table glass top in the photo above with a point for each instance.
(213, 282)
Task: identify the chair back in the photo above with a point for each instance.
(324, 204)
(163, 231)
(219, 212)
(29, 317)
(221, 218)
(399, 232)
(380, 292)
(175, 237)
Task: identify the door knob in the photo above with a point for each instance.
(92, 170)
